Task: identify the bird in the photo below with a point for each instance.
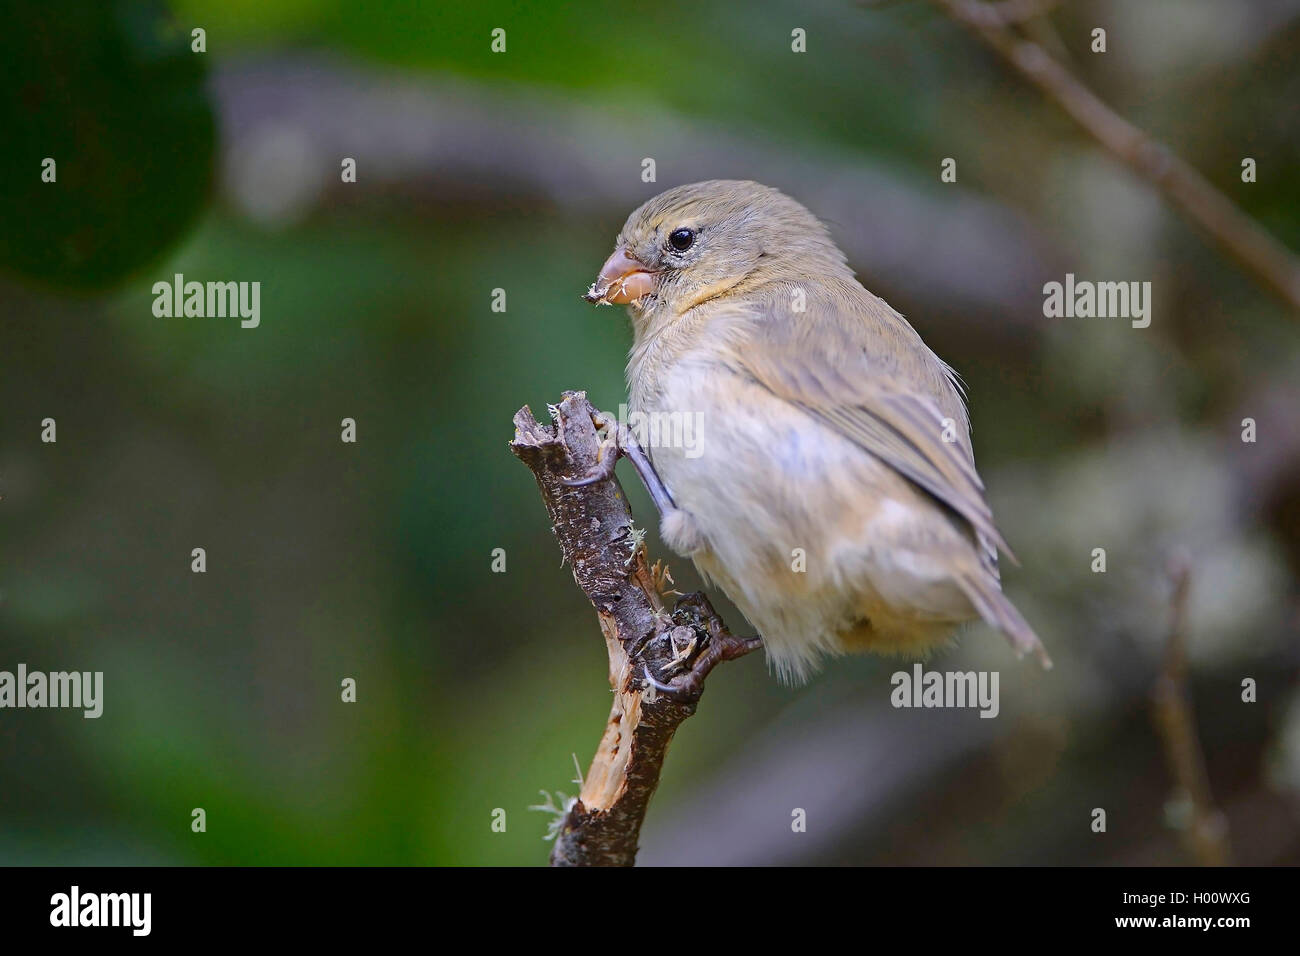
(832, 494)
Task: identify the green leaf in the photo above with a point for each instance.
(112, 92)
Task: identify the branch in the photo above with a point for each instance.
(1206, 834)
(1237, 233)
(594, 527)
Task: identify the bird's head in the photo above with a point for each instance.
(693, 243)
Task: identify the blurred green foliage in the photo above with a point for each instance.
(111, 93)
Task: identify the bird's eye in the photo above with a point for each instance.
(682, 239)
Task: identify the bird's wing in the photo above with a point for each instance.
(866, 373)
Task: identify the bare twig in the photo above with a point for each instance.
(594, 528)
(1237, 233)
(1205, 832)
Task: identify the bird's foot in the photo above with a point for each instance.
(619, 440)
(718, 644)
(606, 457)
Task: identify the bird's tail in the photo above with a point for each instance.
(999, 612)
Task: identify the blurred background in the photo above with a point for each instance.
(478, 171)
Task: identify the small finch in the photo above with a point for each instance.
(831, 492)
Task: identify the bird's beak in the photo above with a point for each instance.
(622, 279)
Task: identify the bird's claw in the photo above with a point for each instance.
(622, 443)
(606, 457)
(601, 472)
(720, 645)
(685, 690)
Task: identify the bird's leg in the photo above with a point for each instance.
(719, 645)
(690, 685)
(621, 441)
(646, 471)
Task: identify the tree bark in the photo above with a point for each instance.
(593, 525)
